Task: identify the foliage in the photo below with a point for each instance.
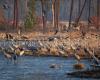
(30, 17)
(29, 21)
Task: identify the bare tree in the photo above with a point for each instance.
(1, 15)
(55, 13)
(15, 21)
(43, 15)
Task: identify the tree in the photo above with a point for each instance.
(98, 13)
(45, 8)
(43, 15)
(2, 19)
(1, 15)
(30, 16)
(55, 13)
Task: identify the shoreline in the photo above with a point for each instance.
(62, 44)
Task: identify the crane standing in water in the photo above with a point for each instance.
(78, 58)
(9, 55)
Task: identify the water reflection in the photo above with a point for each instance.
(37, 68)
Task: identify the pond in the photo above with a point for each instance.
(37, 68)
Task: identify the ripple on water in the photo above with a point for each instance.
(37, 68)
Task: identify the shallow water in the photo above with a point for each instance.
(37, 68)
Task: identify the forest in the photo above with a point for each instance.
(47, 15)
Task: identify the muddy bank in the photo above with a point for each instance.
(61, 44)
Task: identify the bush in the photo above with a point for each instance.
(29, 21)
(30, 18)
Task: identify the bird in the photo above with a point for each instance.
(19, 49)
(21, 52)
(78, 65)
(9, 55)
(4, 51)
(56, 31)
(77, 57)
(8, 36)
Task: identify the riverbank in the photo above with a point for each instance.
(62, 44)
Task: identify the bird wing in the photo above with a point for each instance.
(21, 53)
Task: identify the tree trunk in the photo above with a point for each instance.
(81, 11)
(71, 12)
(55, 13)
(26, 7)
(43, 15)
(2, 19)
(89, 13)
(98, 13)
(16, 16)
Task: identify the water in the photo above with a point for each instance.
(37, 68)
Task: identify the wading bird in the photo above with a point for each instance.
(9, 55)
(78, 65)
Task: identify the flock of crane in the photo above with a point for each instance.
(14, 51)
(10, 54)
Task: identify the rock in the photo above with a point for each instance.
(91, 73)
(55, 66)
(52, 38)
(79, 66)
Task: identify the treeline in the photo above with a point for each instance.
(31, 19)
